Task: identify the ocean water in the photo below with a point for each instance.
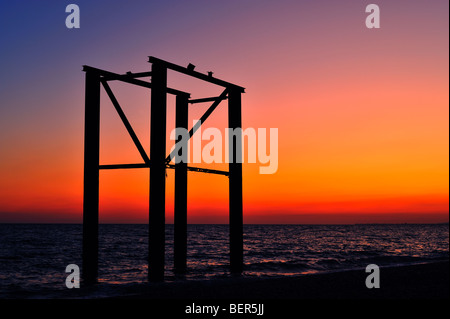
(33, 257)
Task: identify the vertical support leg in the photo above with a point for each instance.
(180, 218)
(91, 178)
(156, 248)
(235, 181)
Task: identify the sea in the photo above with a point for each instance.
(34, 257)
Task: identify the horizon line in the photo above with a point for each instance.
(225, 224)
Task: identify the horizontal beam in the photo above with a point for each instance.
(208, 99)
(201, 170)
(171, 166)
(110, 76)
(139, 74)
(195, 74)
(123, 166)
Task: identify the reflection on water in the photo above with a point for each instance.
(35, 256)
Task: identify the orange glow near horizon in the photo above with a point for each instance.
(362, 118)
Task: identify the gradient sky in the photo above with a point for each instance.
(362, 114)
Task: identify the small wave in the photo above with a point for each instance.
(279, 266)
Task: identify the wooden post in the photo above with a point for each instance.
(180, 214)
(235, 180)
(91, 178)
(156, 242)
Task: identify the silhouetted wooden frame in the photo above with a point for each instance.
(158, 162)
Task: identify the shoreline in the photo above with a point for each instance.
(407, 289)
(418, 281)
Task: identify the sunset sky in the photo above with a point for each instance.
(362, 114)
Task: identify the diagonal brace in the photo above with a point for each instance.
(203, 118)
(126, 122)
